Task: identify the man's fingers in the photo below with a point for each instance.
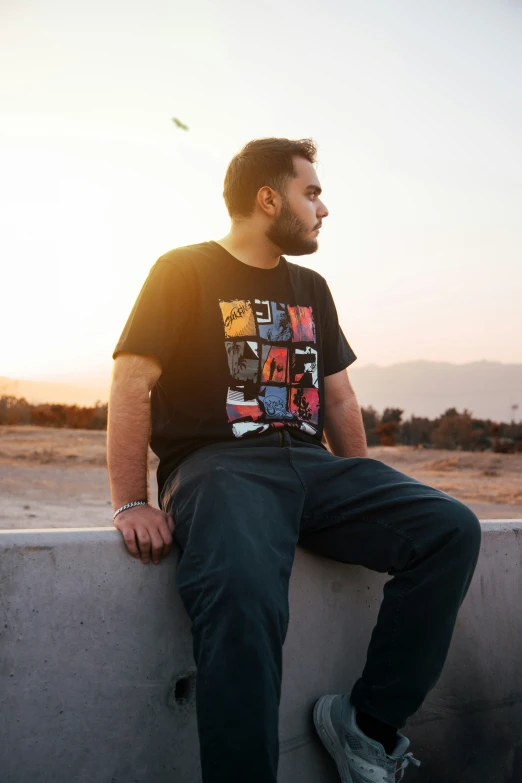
(129, 537)
(144, 545)
(157, 546)
(170, 522)
(147, 532)
(166, 535)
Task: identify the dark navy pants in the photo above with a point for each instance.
(240, 509)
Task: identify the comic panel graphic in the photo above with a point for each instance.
(302, 323)
(273, 382)
(242, 428)
(273, 321)
(303, 370)
(274, 401)
(244, 412)
(238, 318)
(304, 405)
(242, 403)
(275, 364)
(243, 359)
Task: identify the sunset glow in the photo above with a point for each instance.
(418, 123)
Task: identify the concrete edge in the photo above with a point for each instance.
(487, 525)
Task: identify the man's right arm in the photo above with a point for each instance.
(146, 530)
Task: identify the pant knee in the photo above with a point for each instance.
(251, 593)
(464, 526)
(238, 597)
(246, 615)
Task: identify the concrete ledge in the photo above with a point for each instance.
(97, 674)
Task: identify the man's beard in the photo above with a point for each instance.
(288, 233)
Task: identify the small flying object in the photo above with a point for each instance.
(179, 124)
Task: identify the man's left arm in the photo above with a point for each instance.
(343, 424)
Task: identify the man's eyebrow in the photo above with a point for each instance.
(315, 188)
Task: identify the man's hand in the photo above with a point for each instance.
(146, 531)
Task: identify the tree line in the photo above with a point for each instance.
(16, 410)
(452, 430)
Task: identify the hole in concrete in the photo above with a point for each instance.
(182, 690)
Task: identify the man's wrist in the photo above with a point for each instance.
(132, 504)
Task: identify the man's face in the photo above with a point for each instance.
(296, 227)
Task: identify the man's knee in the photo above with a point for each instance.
(244, 585)
(249, 598)
(461, 524)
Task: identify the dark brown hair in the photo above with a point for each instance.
(262, 162)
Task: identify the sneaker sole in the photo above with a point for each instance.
(329, 737)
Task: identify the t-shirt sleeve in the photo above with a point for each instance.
(337, 352)
(154, 326)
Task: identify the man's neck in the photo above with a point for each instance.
(250, 248)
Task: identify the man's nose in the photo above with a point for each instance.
(322, 212)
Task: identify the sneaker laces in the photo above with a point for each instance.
(407, 759)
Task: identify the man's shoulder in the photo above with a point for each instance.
(184, 257)
(305, 274)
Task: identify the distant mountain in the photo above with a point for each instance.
(487, 389)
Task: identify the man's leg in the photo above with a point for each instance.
(363, 512)
(237, 511)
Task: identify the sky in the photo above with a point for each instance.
(416, 107)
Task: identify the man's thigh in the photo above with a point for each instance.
(361, 511)
(237, 514)
(235, 501)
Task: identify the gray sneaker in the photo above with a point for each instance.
(359, 759)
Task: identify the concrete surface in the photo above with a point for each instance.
(97, 675)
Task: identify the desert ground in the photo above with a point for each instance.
(58, 478)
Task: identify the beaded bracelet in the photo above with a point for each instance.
(130, 505)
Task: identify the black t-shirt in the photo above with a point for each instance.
(243, 350)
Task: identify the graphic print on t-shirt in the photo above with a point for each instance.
(272, 359)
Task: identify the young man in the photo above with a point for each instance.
(246, 364)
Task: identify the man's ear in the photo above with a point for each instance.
(269, 201)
